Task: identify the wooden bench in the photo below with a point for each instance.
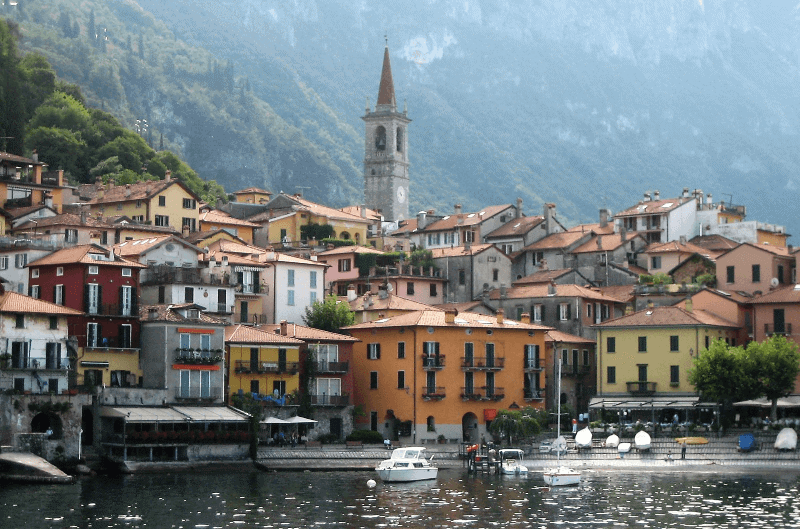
(354, 444)
(313, 444)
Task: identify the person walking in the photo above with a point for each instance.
(683, 449)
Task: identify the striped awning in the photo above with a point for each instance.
(176, 414)
(632, 403)
(242, 268)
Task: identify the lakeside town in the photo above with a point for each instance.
(134, 316)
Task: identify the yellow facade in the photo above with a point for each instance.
(118, 360)
(659, 359)
(772, 238)
(243, 232)
(270, 368)
(289, 227)
(149, 210)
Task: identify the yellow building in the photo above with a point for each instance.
(286, 214)
(645, 358)
(24, 182)
(433, 374)
(161, 203)
(264, 364)
(214, 219)
(252, 195)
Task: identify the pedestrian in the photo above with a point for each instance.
(683, 449)
(574, 425)
(294, 439)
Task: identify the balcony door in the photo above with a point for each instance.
(779, 321)
(643, 373)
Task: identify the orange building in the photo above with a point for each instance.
(774, 313)
(430, 375)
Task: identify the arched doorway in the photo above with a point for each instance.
(48, 422)
(87, 424)
(469, 428)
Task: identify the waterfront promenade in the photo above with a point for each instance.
(664, 454)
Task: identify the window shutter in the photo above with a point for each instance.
(378, 351)
(121, 336)
(99, 299)
(134, 303)
(543, 312)
(55, 297)
(85, 298)
(120, 298)
(569, 311)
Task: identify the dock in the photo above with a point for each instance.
(25, 467)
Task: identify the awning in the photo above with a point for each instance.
(792, 401)
(212, 414)
(299, 420)
(248, 268)
(88, 363)
(647, 404)
(273, 420)
(176, 414)
(139, 414)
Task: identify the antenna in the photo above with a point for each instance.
(774, 282)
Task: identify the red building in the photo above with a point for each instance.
(105, 288)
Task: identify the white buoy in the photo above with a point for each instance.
(371, 483)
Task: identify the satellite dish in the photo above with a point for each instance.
(774, 282)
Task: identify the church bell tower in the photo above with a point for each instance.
(386, 151)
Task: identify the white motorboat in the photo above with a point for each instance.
(511, 461)
(612, 441)
(642, 441)
(583, 439)
(560, 475)
(407, 464)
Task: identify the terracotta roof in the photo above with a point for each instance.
(738, 297)
(247, 334)
(301, 332)
(677, 246)
(220, 217)
(517, 226)
(637, 269)
(467, 306)
(653, 206)
(607, 243)
(542, 276)
(312, 208)
(343, 250)
(714, 242)
(139, 246)
(407, 226)
(542, 291)
(556, 240)
(371, 214)
(6, 156)
(82, 254)
(251, 190)
(390, 302)
(65, 219)
(788, 294)
(667, 317)
(461, 251)
(594, 228)
(622, 293)
(436, 318)
(169, 313)
(197, 236)
(13, 302)
(130, 192)
(563, 337)
(386, 89)
(21, 212)
(449, 222)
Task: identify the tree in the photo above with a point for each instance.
(12, 121)
(720, 374)
(775, 364)
(330, 315)
(248, 404)
(510, 424)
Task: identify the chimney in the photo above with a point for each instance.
(457, 209)
(549, 212)
(450, 315)
(708, 199)
(623, 233)
(422, 220)
(599, 242)
(657, 195)
(500, 315)
(284, 328)
(35, 156)
(682, 240)
(603, 217)
(351, 293)
(48, 199)
(551, 288)
(152, 313)
(83, 217)
(685, 193)
(689, 305)
(127, 190)
(646, 197)
(167, 175)
(363, 211)
(628, 309)
(383, 293)
(185, 231)
(503, 292)
(525, 317)
(650, 304)
(519, 208)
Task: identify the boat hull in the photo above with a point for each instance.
(407, 474)
(515, 470)
(562, 477)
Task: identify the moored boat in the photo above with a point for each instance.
(407, 464)
(511, 461)
(642, 441)
(562, 476)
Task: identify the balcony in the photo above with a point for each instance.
(25, 364)
(770, 329)
(483, 393)
(533, 365)
(258, 368)
(482, 363)
(111, 309)
(250, 319)
(533, 394)
(641, 388)
(198, 393)
(433, 392)
(197, 356)
(572, 370)
(430, 362)
(220, 308)
(326, 368)
(330, 400)
(169, 275)
(112, 344)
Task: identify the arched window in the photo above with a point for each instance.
(380, 139)
(344, 236)
(399, 139)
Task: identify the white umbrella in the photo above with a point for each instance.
(299, 420)
(274, 420)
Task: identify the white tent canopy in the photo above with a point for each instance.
(792, 401)
(273, 420)
(299, 420)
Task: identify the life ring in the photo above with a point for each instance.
(472, 448)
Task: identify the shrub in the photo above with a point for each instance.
(366, 436)
(328, 438)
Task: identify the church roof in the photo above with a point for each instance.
(386, 90)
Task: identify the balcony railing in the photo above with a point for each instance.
(330, 400)
(166, 274)
(482, 393)
(54, 364)
(433, 392)
(331, 367)
(243, 366)
(191, 356)
(770, 329)
(432, 361)
(220, 308)
(533, 364)
(250, 319)
(533, 394)
(482, 363)
(111, 309)
(198, 393)
(572, 370)
(111, 342)
(641, 388)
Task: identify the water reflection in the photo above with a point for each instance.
(618, 498)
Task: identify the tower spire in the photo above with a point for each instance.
(386, 90)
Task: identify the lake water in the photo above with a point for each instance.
(244, 499)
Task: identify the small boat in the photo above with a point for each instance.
(747, 442)
(511, 461)
(583, 439)
(692, 440)
(612, 441)
(642, 441)
(407, 464)
(786, 440)
(560, 475)
(624, 448)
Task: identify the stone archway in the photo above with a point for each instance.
(469, 428)
(46, 421)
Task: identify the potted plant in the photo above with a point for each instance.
(5, 360)
(441, 439)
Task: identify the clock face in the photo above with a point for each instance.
(401, 194)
